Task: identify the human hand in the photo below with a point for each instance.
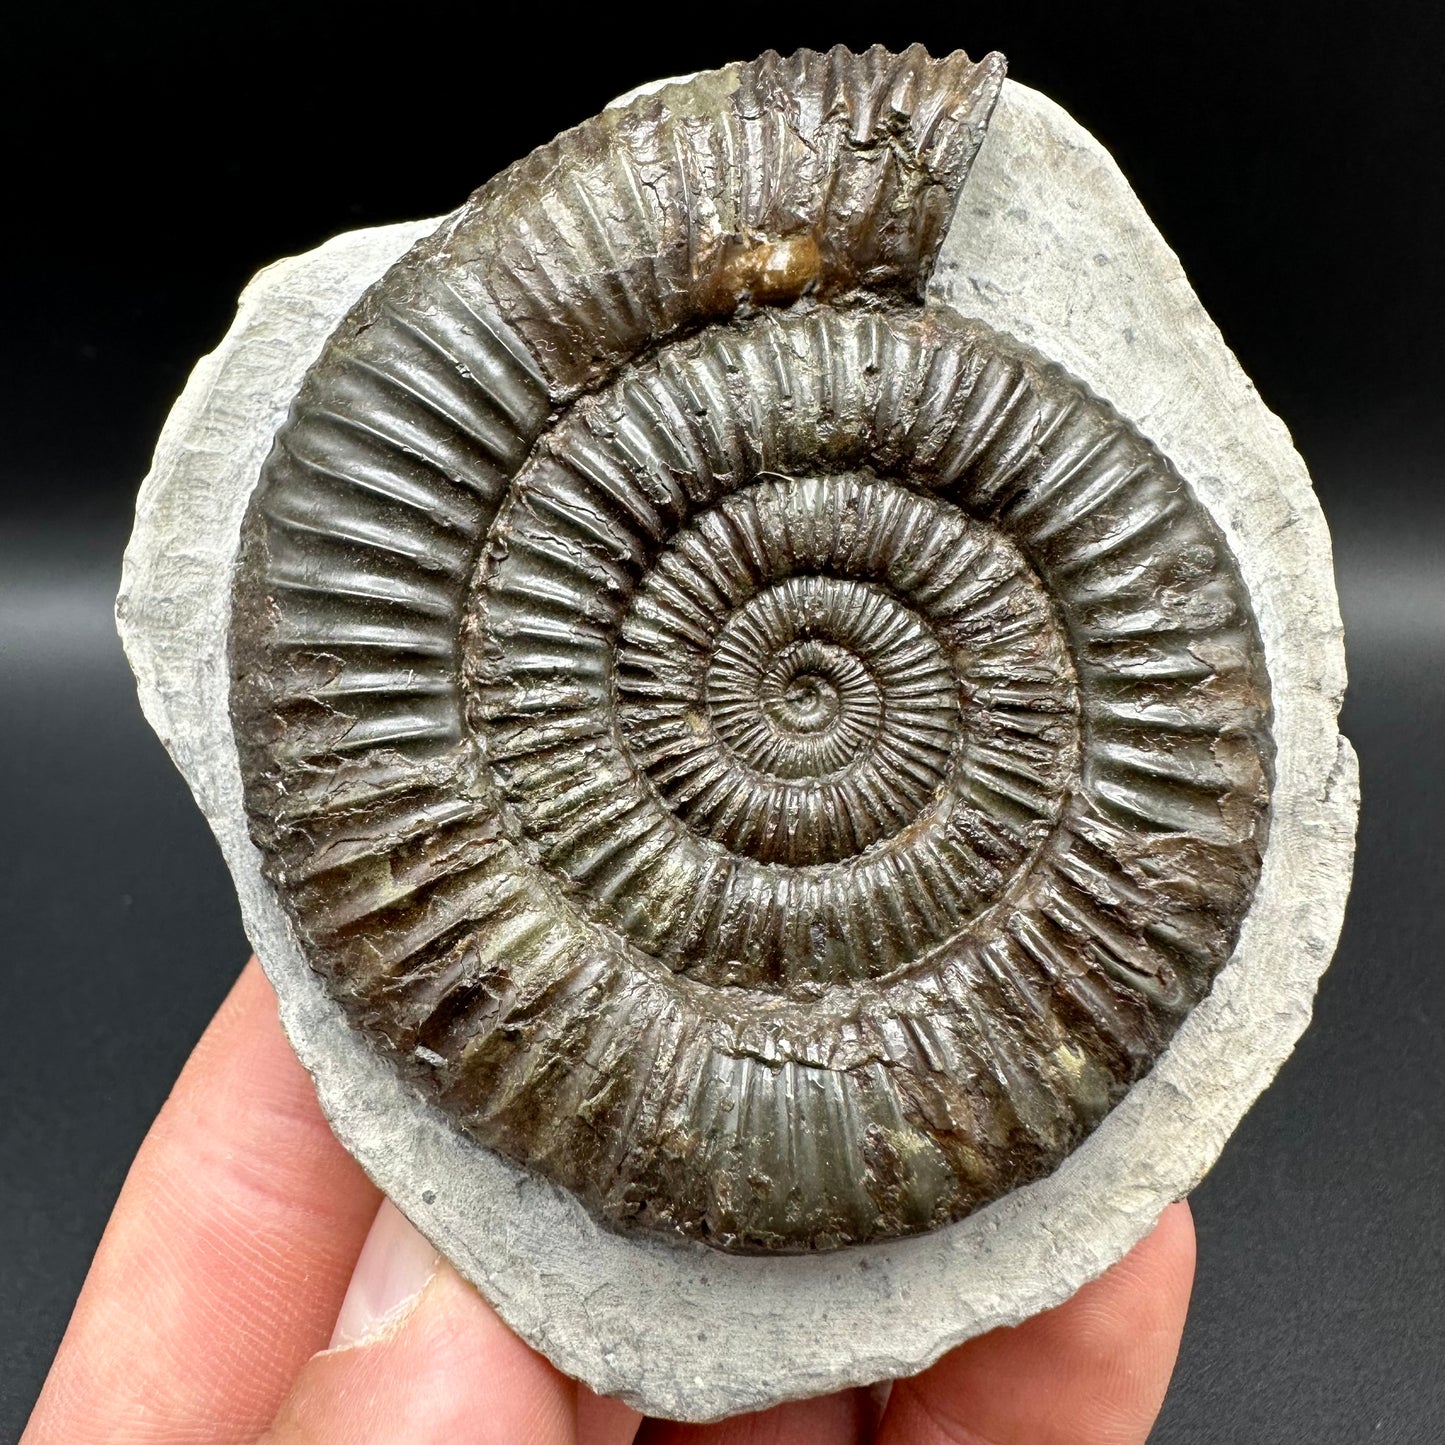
(246, 1239)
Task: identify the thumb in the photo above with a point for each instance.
(417, 1355)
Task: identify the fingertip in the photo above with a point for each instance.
(227, 1254)
(1175, 1233)
(440, 1368)
(602, 1420)
(395, 1265)
(1095, 1369)
(845, 1418)
(1149, 1289)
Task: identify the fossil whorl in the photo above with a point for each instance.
(772, 756)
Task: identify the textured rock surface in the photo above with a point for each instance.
(1049, 246)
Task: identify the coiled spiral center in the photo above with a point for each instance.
(824, 721)
(805, 699)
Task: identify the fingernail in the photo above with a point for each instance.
(394, 1267)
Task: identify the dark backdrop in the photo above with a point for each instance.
(153, 160)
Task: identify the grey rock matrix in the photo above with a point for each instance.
(769, 689)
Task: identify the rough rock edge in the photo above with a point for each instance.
(677, 1329)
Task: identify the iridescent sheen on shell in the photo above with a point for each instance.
(772, 756)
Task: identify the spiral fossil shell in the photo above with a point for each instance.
(772, 756)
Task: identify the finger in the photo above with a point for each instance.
(421, 1357)
(1091, 1372)
(844, 1419)
(602, 1421)
(226, 1258)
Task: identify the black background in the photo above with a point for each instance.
(153, 159)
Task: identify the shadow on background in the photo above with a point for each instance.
(1296, 175)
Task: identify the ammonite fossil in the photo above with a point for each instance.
(770, 748)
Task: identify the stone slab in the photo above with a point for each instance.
(1050, 244)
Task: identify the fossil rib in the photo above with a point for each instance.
(772, 756)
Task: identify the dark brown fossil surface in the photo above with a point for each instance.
(770, 755)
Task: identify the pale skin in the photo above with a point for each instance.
(216, 1291)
